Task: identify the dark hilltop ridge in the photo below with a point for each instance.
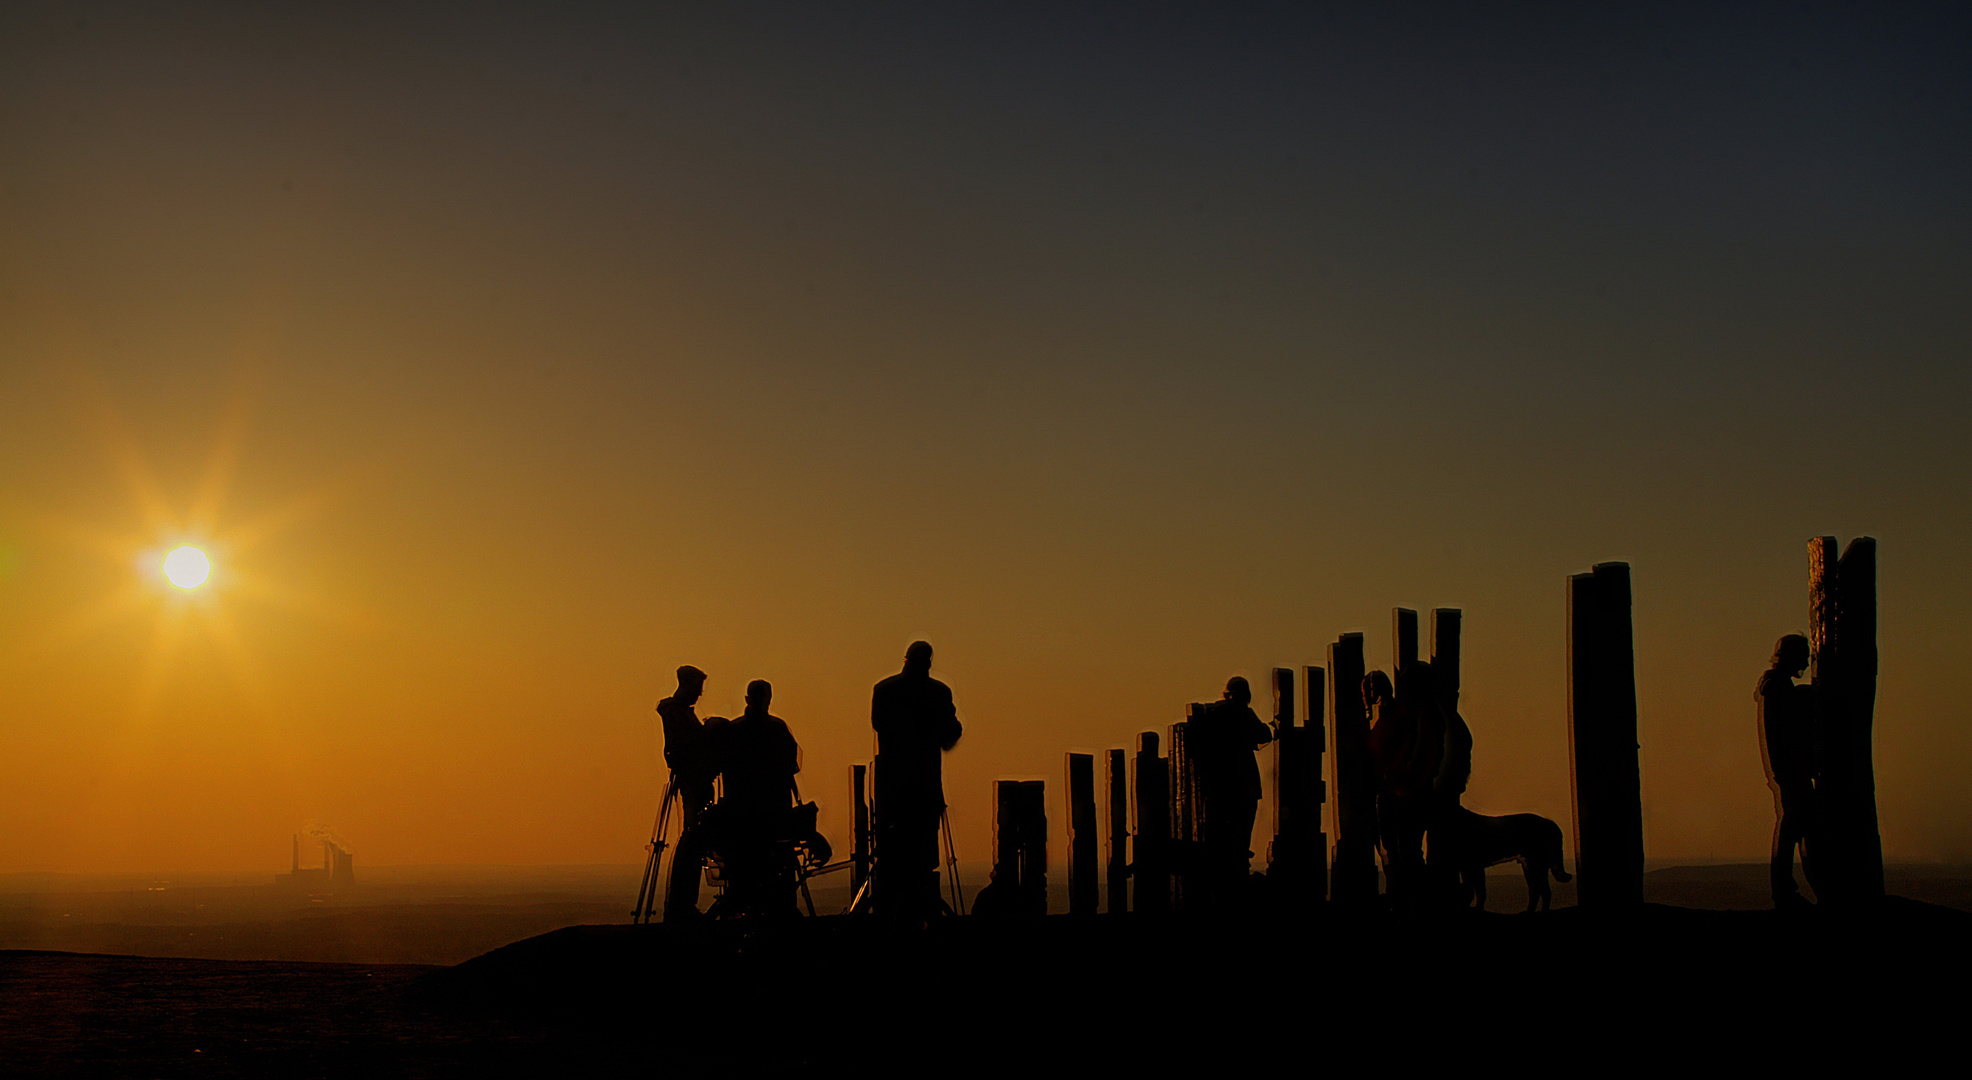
(1573, 988)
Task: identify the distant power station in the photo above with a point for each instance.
(336, 872)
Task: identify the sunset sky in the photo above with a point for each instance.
(504, 360)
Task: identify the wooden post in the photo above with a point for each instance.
(1403, 639)
(1153, 839)
(1297, 859)
(859, 863)
(1847, 844)
(1602, 739)
(1006, 837)
(1187, 822)
(1315, 793)
(1083, 890)
(1353, 880)
(1034, 847)
(1118, 781)
(1445, 654)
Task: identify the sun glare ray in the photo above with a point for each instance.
(51, 640)
(155, 675)
(118, 445)
(294, 511)
(223, 463)
(239, 661)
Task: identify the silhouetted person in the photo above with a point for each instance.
(1787, 745)
(1408, 754)
(1225, 736)
(1443, 736)
(688, 752)
(758, 757)
(915, 723)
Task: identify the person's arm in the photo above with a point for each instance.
(950, 725)
(1262, 732)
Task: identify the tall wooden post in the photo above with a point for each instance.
(1033, 796)
(1846, 847)
(1187, 814)
(1315, 800)
(1353, 881)
(1083, 890)
(1150, 866)
(1298, 857)
(1602, 738)
(859, 863)
(1118, 781)
(1445, 654)
(1403, 639)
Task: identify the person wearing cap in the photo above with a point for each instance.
(915, 724)
(688, 751)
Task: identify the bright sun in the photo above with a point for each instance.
(187, 567)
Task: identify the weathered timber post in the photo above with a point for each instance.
(1083, 890)
(1602, 739)
(1187, 818)
(1006, 838)
(1353, 880)
(1403, 639)
(1150, 856)
(1034, 847)
(1846, 843)
(1315, 800)
(1445, 654)
(1297, 859)
(859, 863)
(1118, 781)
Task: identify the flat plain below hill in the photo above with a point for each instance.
(1660, 986)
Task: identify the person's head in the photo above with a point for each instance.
(759, 694)
(917, 658)
(1238, 691)
(1376, 689)
(1790, 654)
(691, 683)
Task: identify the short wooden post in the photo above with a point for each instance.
(1353, 881)
(1116, 776)
(859, 863)
(1153, 836)
(1846, 847)
(1006, 837)
(1083, 890)
(1602, 739)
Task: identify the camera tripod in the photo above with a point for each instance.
(647, 892)
(647, 903)
(955, 905)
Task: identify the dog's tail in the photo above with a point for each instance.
(1554, 864)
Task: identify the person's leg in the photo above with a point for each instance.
(688, 859)
(1788, 831)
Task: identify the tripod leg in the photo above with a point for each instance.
(952, 860)
(647, 893)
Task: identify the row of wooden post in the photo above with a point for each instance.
(1168, 808)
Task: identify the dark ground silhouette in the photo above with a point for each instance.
(1663, 984)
